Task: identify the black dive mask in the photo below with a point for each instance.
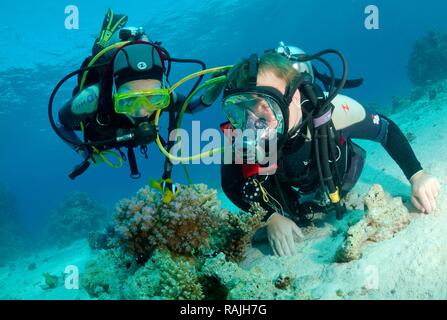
(261, 112)
(260, 107)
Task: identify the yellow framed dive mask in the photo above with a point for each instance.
(136, 103)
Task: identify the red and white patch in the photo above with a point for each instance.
(345, 107)
(375, 119)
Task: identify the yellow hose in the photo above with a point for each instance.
(208, 83)
(157, 114)
(102, 156)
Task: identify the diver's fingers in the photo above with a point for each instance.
(421, 198)
(431, 199)
(425, 200)
(280, 247)
(290, 244)
(297, 231)
(417, 204)
(273, 246)
(436, 187)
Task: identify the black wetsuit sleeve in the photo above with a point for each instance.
(398, 147)
(379, 128)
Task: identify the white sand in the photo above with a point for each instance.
(18, 282)
(411, 265)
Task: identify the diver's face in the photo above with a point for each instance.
(135, 85)
(270, 79)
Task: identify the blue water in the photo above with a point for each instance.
(37, 51)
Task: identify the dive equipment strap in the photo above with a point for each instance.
(80, 169)
(134, 173)
(326, 80)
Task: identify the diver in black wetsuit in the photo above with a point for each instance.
(313, 131)
(120, 88)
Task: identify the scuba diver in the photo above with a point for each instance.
(317, 162)
(121, 90)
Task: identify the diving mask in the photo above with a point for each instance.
(254, 110)
(136, 102)
(260, 118)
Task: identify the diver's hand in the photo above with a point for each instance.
(213, 91)
(425, 189)
(280, 232)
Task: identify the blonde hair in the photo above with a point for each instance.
(272, 61)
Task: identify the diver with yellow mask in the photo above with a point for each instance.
(121, 89)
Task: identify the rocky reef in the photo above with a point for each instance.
(203, 261)
(385, 216)
(188, 248)
(428, 60)
(252, 284)
(75, 217)
(427, 71)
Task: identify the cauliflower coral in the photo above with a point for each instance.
(191, 223)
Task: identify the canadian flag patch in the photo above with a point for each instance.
(375, 119)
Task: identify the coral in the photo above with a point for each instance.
(104, 277)
(168, 276)
(242, 284)
(353, 201)
(99, 240)
(181, 226)
(184, 225)
(144, 284)
(179, 279)
(157, 249)
(51, 280)
(114, 275)
(235, 231)
(385, 216)
(75, 218)
(428, 60)
(284, 281)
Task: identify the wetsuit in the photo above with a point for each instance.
(297, 172)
